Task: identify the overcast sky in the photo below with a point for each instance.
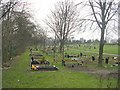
(41, 8)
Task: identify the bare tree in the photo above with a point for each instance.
(40, 36)
(16, 27)
(7, 25)
(63, 21)
(7, 7)
(103, 14)
(106, 13)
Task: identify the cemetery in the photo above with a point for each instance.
(76, 66)
(60, 44)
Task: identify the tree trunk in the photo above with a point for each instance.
(54, 50)
(100, 59)
(44, 44)
(100, 53)
(63, 51)
(62, 48)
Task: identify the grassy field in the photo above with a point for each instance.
(110, 49)
(20, 76)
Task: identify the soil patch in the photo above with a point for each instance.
(8, 64)
(103, 73)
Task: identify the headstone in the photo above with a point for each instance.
(93, 58)
(107, 60)
(81, 54)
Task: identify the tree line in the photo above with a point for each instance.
(18, 31)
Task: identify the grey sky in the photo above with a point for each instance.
(41, 8)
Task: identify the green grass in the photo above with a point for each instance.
(110, 49)
(63, 78)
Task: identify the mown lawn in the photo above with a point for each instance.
(20, 76)
(110, 49)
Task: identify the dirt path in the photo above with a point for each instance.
(99, 72)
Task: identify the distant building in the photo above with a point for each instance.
(82, 40)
